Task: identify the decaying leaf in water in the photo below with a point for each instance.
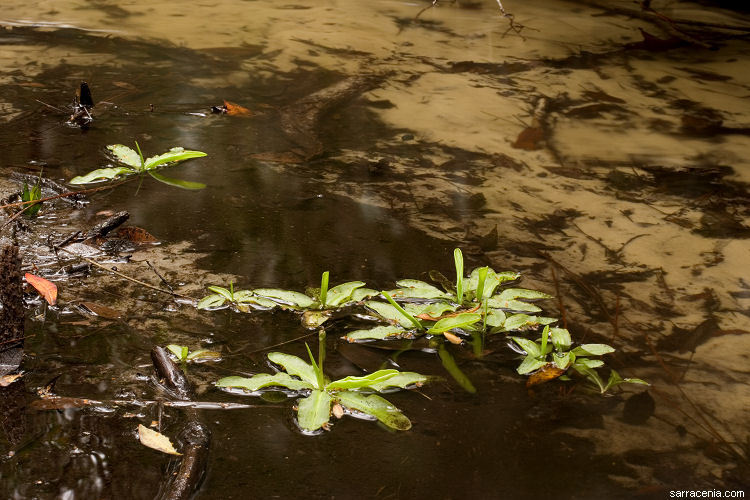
(337, 410)
(46, 288)
(6, 380)
(136, 235)
(156, 440)
(546, 373)
(236, 109)
(529, 139)
(100, 310)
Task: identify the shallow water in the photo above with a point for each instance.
(627, 199)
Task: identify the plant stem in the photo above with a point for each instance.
(400, 309)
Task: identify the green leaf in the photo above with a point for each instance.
(458, 259)
(377, 407)
(173, 155)
(491, 282)
(101, 174)
(562, 360)
(410, 289)
(295, 366)
(512, 305)
(495, 317)
(189, 185)
(33, 194)
(378, 381)
(452, 368)
(531, 347)
(341, 293)
(434, 310)
(212, 301)
(590, 374)
(203, 355)
(504, 276)
(592, 349)
(590, 363)
(287, 296)
(459, 321)
(525, 322)
(263, 380)
(180, 351)
(389, 332)
(530, 364)
(323, 297)
(314, 411)
(522, 293)
(125, 155)
(560, 338)
(227, 294)
(360, 294)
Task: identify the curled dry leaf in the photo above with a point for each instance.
(46, 288)
(156, 440)
(453, 339)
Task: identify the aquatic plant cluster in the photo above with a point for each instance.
(470, 308)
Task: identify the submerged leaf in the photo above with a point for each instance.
(313, 319)
(180, 183)
(287, 296)
(388, 312)
(233, 109)
(295, 366)
(379, 333)
(155, 440)
(314, 411)
(46, 289)
(592, 349)
(409, 289)
(263, 380)
(522, 293)
(101, 174)
(377, 407)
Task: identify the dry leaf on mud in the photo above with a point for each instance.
(156, 440)
(46, 288)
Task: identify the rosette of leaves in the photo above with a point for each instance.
(321, 397)
(134, 163)
(30, 194)
(552, 356)
(468, 305)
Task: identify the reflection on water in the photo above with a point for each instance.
(611, 174)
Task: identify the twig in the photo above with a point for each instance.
(166, 283)
(283, 343)
(65, 195)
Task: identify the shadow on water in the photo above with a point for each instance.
(639, 244)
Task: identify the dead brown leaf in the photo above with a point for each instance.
(548, 372)
(156, 440)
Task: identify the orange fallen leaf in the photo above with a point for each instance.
(548, 372)
(46, 288)
(136, 234)
(6, 380)
(236, 109)
(529, 139)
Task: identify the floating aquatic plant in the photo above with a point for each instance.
(321, 398)
(135, 164)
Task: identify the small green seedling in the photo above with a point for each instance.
(136, 164)
(323, 397)
(30, 195)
